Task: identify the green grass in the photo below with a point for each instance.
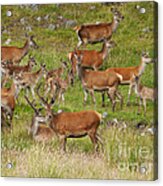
(122, 147)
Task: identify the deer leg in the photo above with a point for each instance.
(111, 95)
(93, 96)
(79, 43)
(103, 99)
(118, 94)
(85, 96)
(129, 94)
(100, 140)
(63, 140)
(140, 104)
(94, 140)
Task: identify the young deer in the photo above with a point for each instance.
(101, 81)
(8, 97)
(127, 73)
(73, 124)
(144, 93)
(93, 33)
(52, 74)
(16, 69)
(29, 80)
(13, 54)
(39, 129)
(91, 58)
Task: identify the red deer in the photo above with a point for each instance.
(91, 58)
(73, 124)
(29, 80)
(126, 73)
(93, 33)
(59, 86)
(13, 54)
(15, 69)
(144, 93)
(12, 70)
(8, 96)
(52, 74)
(39, 129)
(99, 81)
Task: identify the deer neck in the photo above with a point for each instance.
(142, 67)
(114, 24)
(26, 47)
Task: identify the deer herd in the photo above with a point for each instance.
(85, 64)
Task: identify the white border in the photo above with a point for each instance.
(63, 182)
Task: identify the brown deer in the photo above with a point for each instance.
(59, 86)
(73, 124)
(8, 97)
(91, 58)
(127, 73)
(13, 54)
(99, 81)
(39, 129)
(29, 80)
(144, 93)
(52, 74)
(15, 69)
(93, 33)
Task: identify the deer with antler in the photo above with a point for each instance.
(13, 54)
(39, 128)
(72, 124)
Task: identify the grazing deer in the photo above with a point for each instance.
(8, 97)
(29, 80)
(73, 124)
(39, 129)
(144, 93)
(13, 54)
(99, 81)
(127, 73)
(91, 58)
(93, 33)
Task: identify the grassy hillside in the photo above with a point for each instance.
(123, 155)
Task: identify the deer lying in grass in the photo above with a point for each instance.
(39, 129)
(127, 73)
(91, 58)
(144, 93)
(8, 97)
(93, 33)
(73, 124)
(29, 80)
(99, 81)
(13, 54)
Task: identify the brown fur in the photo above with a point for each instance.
(13, 54)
